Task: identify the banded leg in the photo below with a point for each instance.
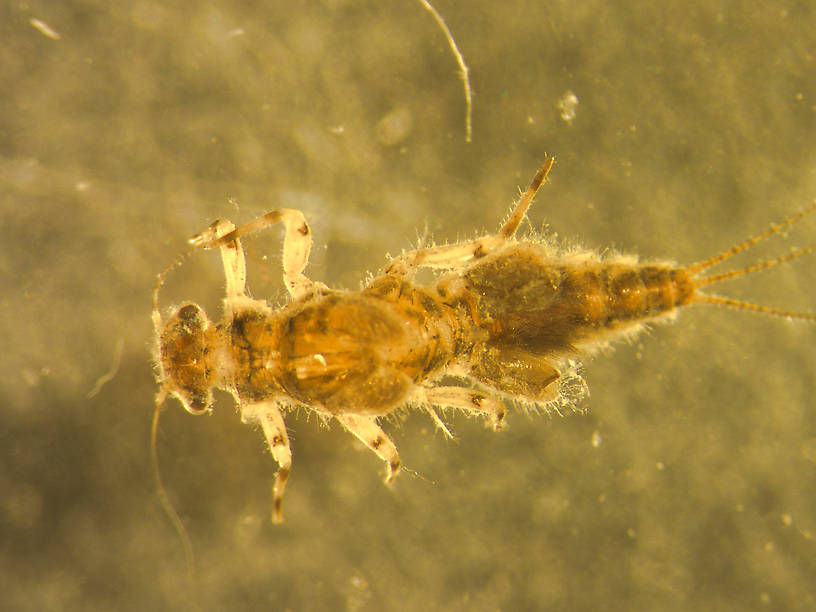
(297, 244)
(232, 256)
(369, 433)
(454, 255)
(516, 372)
(470, 401)
(269, 416)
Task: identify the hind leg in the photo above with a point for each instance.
(456, 255)
(517, 373)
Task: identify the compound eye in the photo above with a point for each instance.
(190, 316)
(197, 403)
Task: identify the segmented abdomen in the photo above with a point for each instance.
(548, 306)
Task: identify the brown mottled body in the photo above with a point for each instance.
(364, 352)
(531, 309)
(551, 306)
(342, 352)
(503, 317)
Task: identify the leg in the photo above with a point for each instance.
(516, 372)
(369, 433)
(508, 230)
(297, 243)
(470, 401)
(454, 255)
(232, 256)
(269, 416)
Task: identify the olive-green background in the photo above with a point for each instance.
(146, 120)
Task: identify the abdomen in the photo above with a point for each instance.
(552, 306)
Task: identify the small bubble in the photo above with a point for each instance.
(787, 520)
(596, 439)
(394, 127)
(567, 105)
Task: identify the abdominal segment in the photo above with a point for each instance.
(552, 307)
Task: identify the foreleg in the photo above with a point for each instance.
(268, 415)
(297, 244)
(232, 256)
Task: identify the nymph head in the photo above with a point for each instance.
(183, 358)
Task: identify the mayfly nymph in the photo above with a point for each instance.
(503, 316)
